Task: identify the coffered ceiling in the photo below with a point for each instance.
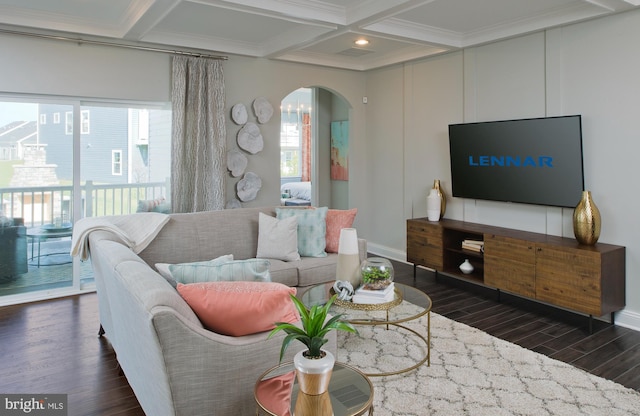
(319, 32)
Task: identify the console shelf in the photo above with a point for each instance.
(555, 270)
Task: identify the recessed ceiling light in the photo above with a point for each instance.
(362, 42)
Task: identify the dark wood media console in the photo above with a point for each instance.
(555, 270)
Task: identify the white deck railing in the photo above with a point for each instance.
(49, 204)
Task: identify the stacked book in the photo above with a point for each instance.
(369, 297)
(473, 245)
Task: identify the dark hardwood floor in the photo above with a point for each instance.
(52, 346)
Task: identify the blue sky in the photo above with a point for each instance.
(10, 111)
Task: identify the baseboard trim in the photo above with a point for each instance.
(628, 319)
(387, 252)
(624, 318)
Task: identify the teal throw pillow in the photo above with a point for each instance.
(163, 208)
(147, 205)
(312, 229)
(237, 270)
(163, 268)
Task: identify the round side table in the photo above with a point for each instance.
(350, 393)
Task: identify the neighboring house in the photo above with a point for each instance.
(114, 143)
(13, 136)
(102, 131)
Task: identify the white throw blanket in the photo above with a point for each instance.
(134, 230)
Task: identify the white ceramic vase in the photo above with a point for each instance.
(313, 374)
(433, 205)
(348, 265)
(466, 267)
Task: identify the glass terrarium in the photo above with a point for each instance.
(377, 273)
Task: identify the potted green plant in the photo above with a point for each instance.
(313, 365)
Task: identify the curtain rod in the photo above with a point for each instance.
(118, 45)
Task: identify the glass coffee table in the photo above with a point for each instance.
(48, 232)
(350, 393)
(391, 314)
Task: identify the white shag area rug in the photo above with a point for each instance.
(474, 373)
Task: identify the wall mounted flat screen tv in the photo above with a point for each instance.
(530, 161)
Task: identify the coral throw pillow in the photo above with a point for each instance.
(275, 393)
(240, 308)
(337, 220)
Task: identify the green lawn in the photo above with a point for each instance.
(6, 171)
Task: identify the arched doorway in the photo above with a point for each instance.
(307, 115)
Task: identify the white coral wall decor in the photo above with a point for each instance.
(248, 187)
(250, 138)
(262, 109)
(239, 114)
(233, 204)
(236, 162)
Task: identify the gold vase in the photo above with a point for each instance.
(586, 220)
(443, 199)
(313, 405)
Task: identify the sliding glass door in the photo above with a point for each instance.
(62, 160)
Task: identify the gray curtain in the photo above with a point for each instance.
(198, 135)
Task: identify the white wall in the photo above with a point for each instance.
(38, 66)
(381, 212)
(339, 190)
(589, 68)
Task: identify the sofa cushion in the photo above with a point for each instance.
(203, 235)
(313, 271)
(337, 219)
(277, 239)
(312, 228)
(285, 272)
(236, 270)
(240, 308)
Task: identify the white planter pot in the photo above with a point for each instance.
(313, 374)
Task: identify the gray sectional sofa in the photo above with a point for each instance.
(174, 365)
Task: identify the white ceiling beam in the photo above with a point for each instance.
(146, 21)
(290, 10)
(365, 13)
(614, 5)
(297, 38)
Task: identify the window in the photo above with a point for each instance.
(116, 162)
(56, 118)
(68, 123)
(289, 162)
(43, 119)
(295, 134)
(84, 122)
